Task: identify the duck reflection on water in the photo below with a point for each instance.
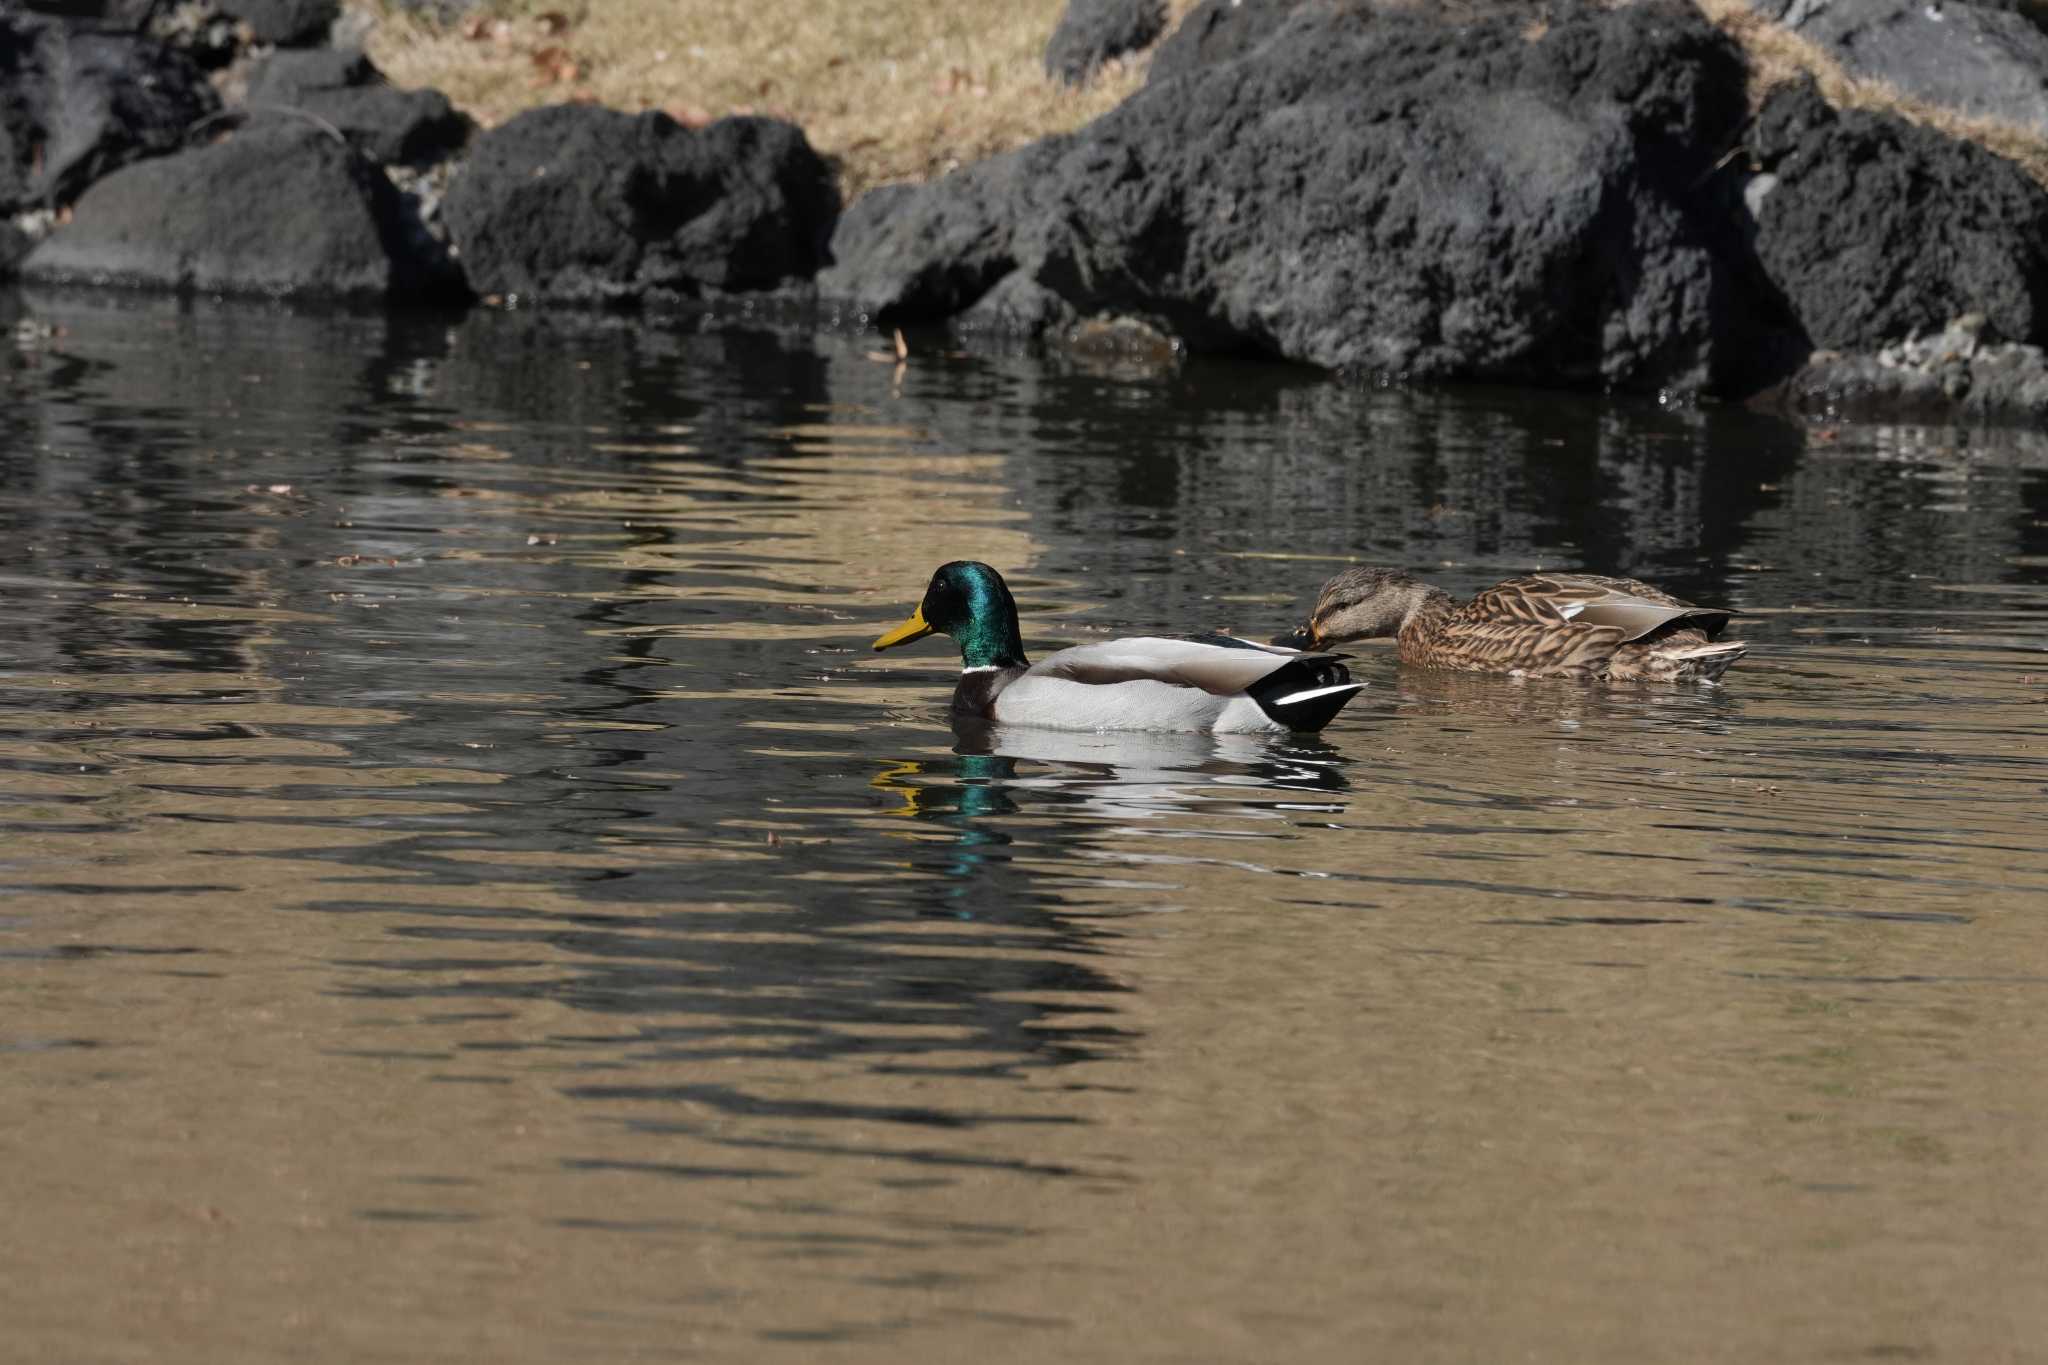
(987, 789)
(1545, 705)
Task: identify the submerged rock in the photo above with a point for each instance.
(277, 208)
(75, 105)
(1092, 32)
(583, 204)
(344, 88)
(1386, 194)
(1957, 373)
(1876, 229)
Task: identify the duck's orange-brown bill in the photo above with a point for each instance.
(913, 629)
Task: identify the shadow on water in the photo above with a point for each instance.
(930, 897)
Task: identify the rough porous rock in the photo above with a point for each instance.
(211, 39)
(108, 15)
(344, 88)
(1017, 305)
(1217, 31)
(1875, 228)
(15, 244)
(74, 105)
(1988, 59)
(924, 253)
(1390, 195)
(278, 208)
(582, 204)
(285, 23)
(1221, 30)
(439, 11)
(1957, 374)
(1091, 32)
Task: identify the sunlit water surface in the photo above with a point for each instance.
(467, 891)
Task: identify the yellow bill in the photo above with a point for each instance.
(913, 629)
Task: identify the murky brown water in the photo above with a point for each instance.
(468, 893)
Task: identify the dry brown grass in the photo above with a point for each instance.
(888, 89)
(1778, 55)
(907, 89)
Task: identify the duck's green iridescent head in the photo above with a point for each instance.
(970, 602)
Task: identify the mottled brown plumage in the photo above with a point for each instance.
(1570, 625)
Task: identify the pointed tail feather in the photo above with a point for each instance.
(1709, 662)
(1305, 694)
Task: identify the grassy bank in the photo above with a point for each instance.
(889, 90)
(1777, 55)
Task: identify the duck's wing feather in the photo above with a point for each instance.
(1633, 607)
(1224, 665)
(1505, 645)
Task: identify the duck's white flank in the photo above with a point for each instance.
(1141, 704)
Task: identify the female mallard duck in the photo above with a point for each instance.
(1211, 682)
(1553, 625)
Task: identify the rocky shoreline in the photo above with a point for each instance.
(1565, 195)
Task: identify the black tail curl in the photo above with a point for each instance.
(1305, 693)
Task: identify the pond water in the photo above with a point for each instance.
(468, 891)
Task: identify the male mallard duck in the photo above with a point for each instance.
(1564, 625)
(1211, 682)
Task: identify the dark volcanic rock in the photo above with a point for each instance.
(1387, 194)
(577, 203)
(1018, 305)
(129, 15)
(212, 40)
(74, 105)
(278, 208)
(287, 23)
(1218, 31)
(291, 76)
(390, 126)
(1875, 228)
(1090, 32)
(14, 245)
(440, 11)
(1975, 58)
(927, 252)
